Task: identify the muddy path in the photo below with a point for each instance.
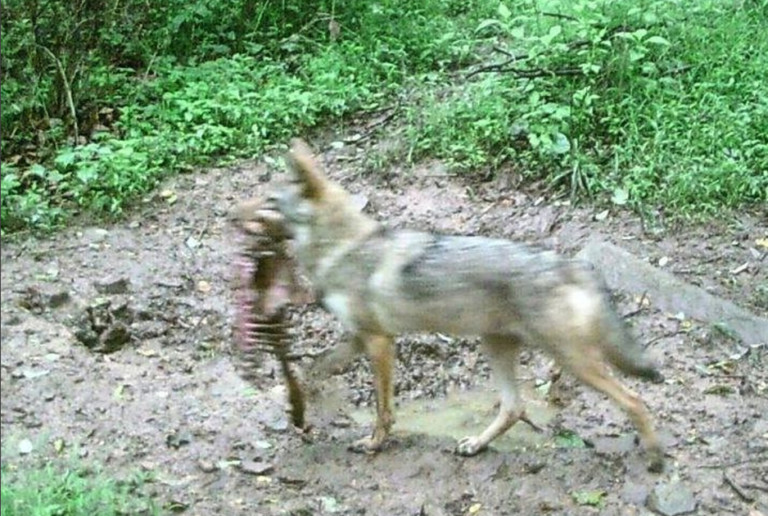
(116, 349)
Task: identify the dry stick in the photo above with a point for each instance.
(560, 16)
(664, 336)
(373, 127)
(639, 308)
(750, 460)
(528, 74)
(67, 90)
(500, 67)
(737, 489)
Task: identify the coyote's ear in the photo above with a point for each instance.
(301, 161)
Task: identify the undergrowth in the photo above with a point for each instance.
(653, 104)
(54, 491)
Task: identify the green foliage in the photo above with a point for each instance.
(590, 498)
(660, 104)
(50, 491)
(210, 107)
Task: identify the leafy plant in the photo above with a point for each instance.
(52, 491)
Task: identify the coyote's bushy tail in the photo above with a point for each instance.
(625, 352)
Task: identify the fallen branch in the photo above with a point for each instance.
(373, 127)
(560, 16)
(665, 336)
(750, 460)
(737, 489)
(533, 72)
(640, 307)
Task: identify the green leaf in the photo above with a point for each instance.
(487, 23)
(620, 196)
(86, 174)
(38, 170)
(569, 439)
(504, 12)
(66, 158)
(560, 144)
(9, 181)
(657, 40)
(54, 176)
(591, 498)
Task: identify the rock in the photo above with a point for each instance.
(359, 201)
(624, 271)
(253, 467)
(145, 330)
(95, 235)
(634, 493)
(25, 447)
(178, 439)
(329, 504)
(206, 466)
(671, 499)
(59, 299)
(112, 286)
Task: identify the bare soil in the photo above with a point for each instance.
(117, 349)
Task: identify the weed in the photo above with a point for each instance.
(52, 491)
(662, 103)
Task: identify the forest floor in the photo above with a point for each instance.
(160, 394)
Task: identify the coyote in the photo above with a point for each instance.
(381, 282)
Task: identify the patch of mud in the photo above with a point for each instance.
(161, 393)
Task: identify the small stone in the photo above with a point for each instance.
(31, 374)
(634, 493)
(178, 439)
(95, 235)
(329, 504)
(359, 201)
(25, 447)
(206, 466)
(671, 499)
(112, 286)
(253, 467)
(59, 299)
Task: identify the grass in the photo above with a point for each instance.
(54, 491)
(660, 106)
(667, 108)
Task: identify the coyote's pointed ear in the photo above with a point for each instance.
(302, 162)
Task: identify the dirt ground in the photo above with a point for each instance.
(117, 349)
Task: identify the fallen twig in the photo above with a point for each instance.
(373, 127)
(732, 464)
(664, 336)
(560, 16)
(640, 307)
(737, 489)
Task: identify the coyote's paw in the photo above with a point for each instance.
(365, 445)
(469, 446)
(655, 460)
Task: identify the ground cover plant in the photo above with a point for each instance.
(68, 488)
